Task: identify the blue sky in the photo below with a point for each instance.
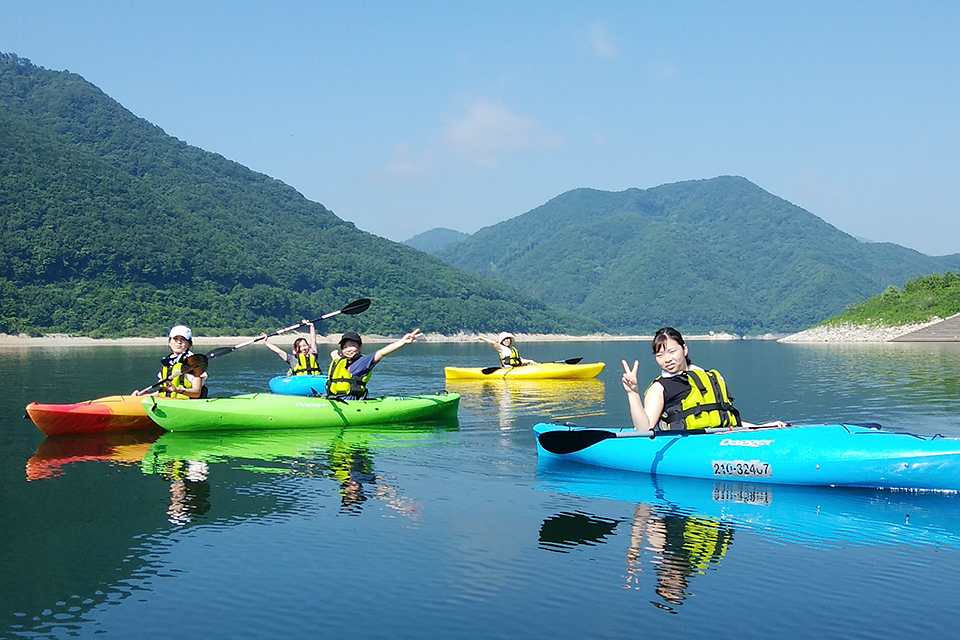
(404, 116)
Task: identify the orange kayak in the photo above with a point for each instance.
(113, 413)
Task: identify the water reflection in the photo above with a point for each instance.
(817, 517)
(189, 490)
(676, 545)
(680, 547)
(683, 527)
(566, 530)
(343, 454)
(889, 381)
(124, 448)
(557, 400)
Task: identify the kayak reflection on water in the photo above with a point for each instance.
(513, 398)
(678, 545)
(343, 455)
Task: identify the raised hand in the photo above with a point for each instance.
(629, 378)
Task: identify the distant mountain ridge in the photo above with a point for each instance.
(717, 254)
(111, 227)
(435, 239)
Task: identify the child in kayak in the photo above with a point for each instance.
(181, 377)
(303, 358)
(684, 396)
(350, 370)
(509, 356)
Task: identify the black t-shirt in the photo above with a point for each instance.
(675, 389)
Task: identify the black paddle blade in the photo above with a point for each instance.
(197, 363)
(564, 442)
(220, 351)
(488, 370)
(572, 361)
(357, 306)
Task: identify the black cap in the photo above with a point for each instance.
(350, 335)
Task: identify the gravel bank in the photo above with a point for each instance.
(855, 333)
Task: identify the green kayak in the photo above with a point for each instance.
(269, 411)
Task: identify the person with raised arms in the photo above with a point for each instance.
(684, 396)
(509, 356)
(303, 358)
(350, 370)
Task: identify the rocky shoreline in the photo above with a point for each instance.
(842, 333)
(59, 340)
(855, 333)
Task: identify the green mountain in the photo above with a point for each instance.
(435, 239)
(110, 227)
(719, 254)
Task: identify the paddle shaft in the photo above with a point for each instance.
(488, 370)
(355, 307)
(573, 440)
(200, 361)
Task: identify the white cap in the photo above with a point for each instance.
(182, 331)
(504, 335)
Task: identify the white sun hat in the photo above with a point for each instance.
(182, 331)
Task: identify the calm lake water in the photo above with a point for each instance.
(455, 531)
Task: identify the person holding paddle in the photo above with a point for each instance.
(509, 356)
(684, 396)
(350, 370)
(303, 358)
(182, 374)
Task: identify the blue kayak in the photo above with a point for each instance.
(843, 455)
(299, 385)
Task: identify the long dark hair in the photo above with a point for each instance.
(664, 334)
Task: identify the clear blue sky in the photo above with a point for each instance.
(404, 116)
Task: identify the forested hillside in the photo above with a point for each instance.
(435, 239)
(920, 300)
(719, 254)
(111, 227)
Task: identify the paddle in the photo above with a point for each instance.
(564, 442)
(355, 307)
(488, 370)
(573, 440)
(192, 362)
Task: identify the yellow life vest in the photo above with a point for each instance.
(707, 405)
(340, 382)
(705, 541)
(512, 360)
(173, 372)
(306, 365)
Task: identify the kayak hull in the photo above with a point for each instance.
(545, 371)
(273, 411)
(827, 455)
(298, 385)
(103, 415)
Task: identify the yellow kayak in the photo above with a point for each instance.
(545, 371)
